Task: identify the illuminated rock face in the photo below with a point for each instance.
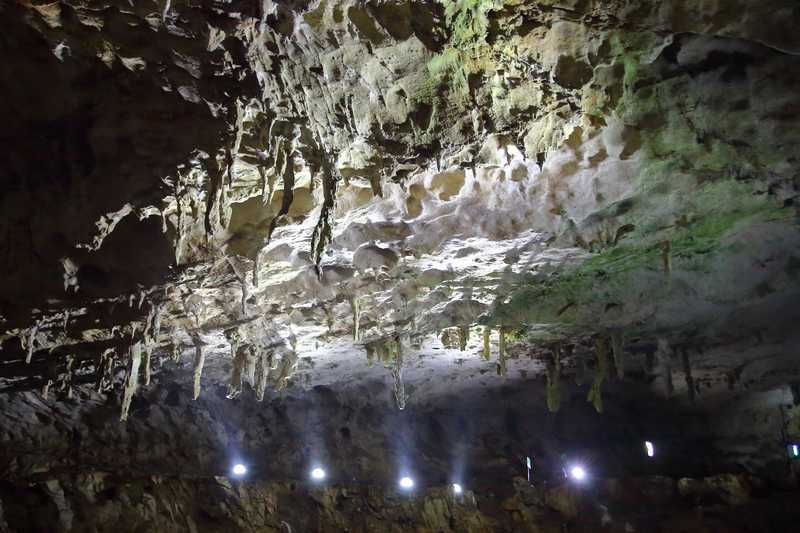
(402, 203)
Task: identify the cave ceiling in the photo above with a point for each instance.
(261, 197)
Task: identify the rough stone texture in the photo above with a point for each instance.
(379, 208)
(101, 501)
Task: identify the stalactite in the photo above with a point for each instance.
(287, 173)
(146, 364)
(175, 353)
(249, 367)
(265, 192)
(199, 360)
(104, 374)
(46, 388)
(239, 363)
(618, 349)
(32, 335)
(132, 379)
(287, 365)
(163, 213)
(142, 296)
(501, 365)
(355, 306)
(687, 371)
(239, 358)
(399, 387)
(323, 230)
(215, 184)
(501, 353)
(268, 182)
(234, 338)
(152, 329)
(553, 380)
(487, 354)
(600, 373)
(65, 379)
(394, 348)
(463, 337)
(263, 366)
(229, 165)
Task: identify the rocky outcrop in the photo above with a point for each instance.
(101, 501)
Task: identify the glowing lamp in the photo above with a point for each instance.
(577, 473)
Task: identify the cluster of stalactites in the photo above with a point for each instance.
(502, 348)
(457, 337)
(605, 346)
(389, 351)
(385, 350)
(254, 363)
(277, 160)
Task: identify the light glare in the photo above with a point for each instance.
(795, 450)
(651, 450)
(578, 473)
(239, 469)
(457, 488)
(406, 482)
(318, 474)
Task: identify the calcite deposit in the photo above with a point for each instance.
(428, 237)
